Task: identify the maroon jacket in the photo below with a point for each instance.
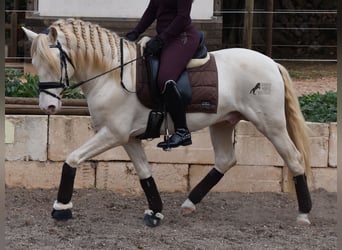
(173, 17)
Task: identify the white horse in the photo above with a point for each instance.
(87, 52)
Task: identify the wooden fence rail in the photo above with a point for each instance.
(30, 106)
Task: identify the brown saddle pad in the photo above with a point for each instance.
(203, 81)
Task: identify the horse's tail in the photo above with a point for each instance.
(295, 122)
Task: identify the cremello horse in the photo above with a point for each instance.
(84, 51)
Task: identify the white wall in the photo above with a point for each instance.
(202, 9)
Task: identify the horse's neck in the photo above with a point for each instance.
(111, 74)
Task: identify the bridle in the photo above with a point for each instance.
(64, 83)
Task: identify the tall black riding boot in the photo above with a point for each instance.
(175, 106)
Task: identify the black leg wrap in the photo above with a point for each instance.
(202, 188)
(303, 194)
(66, 185)
(152, 194)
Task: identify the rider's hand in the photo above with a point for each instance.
(154, 46)
(132, 36)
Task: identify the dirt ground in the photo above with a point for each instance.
(313, 77)
(105, 220)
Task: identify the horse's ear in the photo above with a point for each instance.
(53, 34)
(29, 33)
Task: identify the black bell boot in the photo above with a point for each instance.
(175, 106)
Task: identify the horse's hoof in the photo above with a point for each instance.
(187, 208)
(64, 214)
(303, 219)
(185, 211)
(152, 219)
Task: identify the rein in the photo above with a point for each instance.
(43, 86)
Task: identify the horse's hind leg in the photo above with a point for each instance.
(221, 137)
(152, 216)
(293, 160)
(99, 143)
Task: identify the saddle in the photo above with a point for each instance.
(197, 86)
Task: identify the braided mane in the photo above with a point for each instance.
(85, 42)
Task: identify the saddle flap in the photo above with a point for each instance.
(152, 68)
(184, 87)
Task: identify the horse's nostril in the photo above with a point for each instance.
(51, 108)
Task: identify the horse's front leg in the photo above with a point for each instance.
(100, 142)
(153, 215)
(221, 135)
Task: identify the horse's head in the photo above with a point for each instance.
(53, 66)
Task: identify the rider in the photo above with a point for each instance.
(176, 42)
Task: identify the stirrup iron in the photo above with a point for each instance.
(167, 133)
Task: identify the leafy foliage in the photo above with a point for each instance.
(319, 107)
(15, 87)
(73, 94)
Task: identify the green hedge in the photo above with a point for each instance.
(315, 107)
(14, 86)
(319, 107)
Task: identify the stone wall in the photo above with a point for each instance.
(36, 147)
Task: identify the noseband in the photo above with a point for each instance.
(64, 59)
